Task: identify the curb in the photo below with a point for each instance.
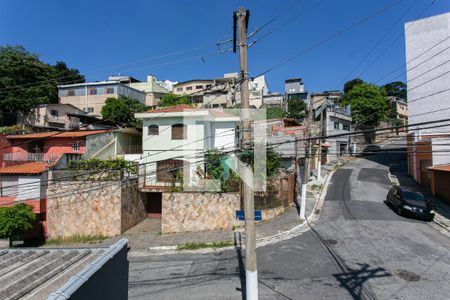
(264, 241)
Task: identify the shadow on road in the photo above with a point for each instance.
(353, 280)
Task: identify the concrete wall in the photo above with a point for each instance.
(102, 146)
(427, 72)
(182, 212)
(93, 208)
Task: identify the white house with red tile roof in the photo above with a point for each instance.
(176, 138)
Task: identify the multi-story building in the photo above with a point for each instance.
(28, 159)
(194, 88)
(154, 90)
(294, 88)
(428, 91)
(332, 119)
(90, 97)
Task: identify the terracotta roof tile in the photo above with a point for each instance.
(56, 134)
(176, 108)
(25, 168)
(445, 168)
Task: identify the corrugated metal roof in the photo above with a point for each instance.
(25, 168)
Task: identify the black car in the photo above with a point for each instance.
(371, 149)
(408, 202)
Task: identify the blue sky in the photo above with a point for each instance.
(101, 38)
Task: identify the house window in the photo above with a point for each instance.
(153, 129)
(347, 127)
(76, 146)
(88, 109)
(336, 125)
(110, 90)
(92, 91)
(179, 132)
(54, 113)
(198, 87)
(167, 170)
(189, 88)
(179, 89)
(70, 93)
(208, 86)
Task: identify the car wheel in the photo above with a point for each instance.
(400, 211)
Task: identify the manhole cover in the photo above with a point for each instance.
(407, 275)
(331, 242)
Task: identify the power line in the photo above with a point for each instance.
(129, 63)
(416, 57)
(394, 41)
(379, 42)
(333, 36)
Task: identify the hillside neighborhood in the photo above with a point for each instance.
(219, 187)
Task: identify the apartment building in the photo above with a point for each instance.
(91, 96)
(428, 80)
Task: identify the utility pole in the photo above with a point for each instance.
(319, 151)
(251, 273)
(307, 163)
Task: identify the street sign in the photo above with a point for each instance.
(240, 215)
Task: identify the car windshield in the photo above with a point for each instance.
(413, 196)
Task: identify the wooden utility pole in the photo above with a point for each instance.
(251, 273)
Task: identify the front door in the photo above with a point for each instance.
(154, 205)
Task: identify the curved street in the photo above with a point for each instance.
(358, 249)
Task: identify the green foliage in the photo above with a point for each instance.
(122, 110)
(14, 220)
(36, 81)
(396, 89)
(95, 164)
(76, 239)
(296, 108)
(274, 113)
(201, 245)
(172, 99)
(15, 129)
(367, 103)
(349, 85)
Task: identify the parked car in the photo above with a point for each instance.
(371, 149)
(408, 202)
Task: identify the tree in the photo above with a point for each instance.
(172, 99)
(367, 103)
(274, 113)
(296, 108)
(122, 110)
(26, 82)
(349, 85)
(396, 89)
(14, 220)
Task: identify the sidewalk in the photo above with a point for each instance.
(145, 238)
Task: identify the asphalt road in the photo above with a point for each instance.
(359, 249)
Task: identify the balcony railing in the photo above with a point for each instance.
(38, 157)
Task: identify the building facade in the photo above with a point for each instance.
(428, 80)
(90, 97)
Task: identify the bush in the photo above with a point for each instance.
(14, 220)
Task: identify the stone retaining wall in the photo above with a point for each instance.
(182, 212)
(272, 213)
(93, 208)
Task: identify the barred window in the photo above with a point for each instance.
(153, 129)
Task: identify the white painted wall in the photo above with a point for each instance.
(425, 68)
(441, 151)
